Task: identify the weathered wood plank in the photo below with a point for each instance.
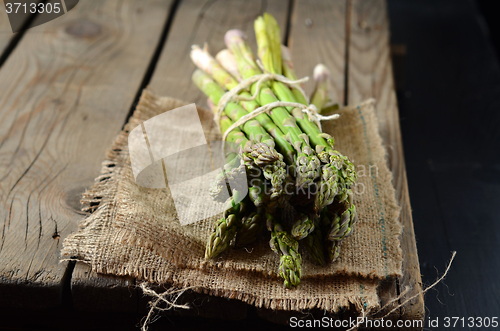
(6, 34)
(64, 95)
(194, 22)
(94, 292)
(199, 22)
(317, 35)
(5, 30)
(370, 75)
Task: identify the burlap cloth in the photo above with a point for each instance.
(133, 230)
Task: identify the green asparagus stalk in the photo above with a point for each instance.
(233, 170)
(251, 227)
(289, 72)
(338, 226)
(270, 161)
(236, 219)
(253, 129)
(203, 60)
(307, 162)
(314, 244)
(256, 182)
(342, 227)
(226, 59)
(290, 259)
(333, 250)
(320, 95)
(303, 226)
(334, 179)
(266, 31)
(225, 228)
(234, 167)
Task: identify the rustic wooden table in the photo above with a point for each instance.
(67, 87)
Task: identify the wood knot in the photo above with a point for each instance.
(83, 29)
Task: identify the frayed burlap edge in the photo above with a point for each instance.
(150, 105)
(99, 198)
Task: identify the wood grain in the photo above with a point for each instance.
(5, 30)
(194, 22)
(370, 75)
(317, 35)
(64, 95)
(6, 34)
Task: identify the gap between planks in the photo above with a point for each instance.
(193, 22)
(62, 96)
(342, 92)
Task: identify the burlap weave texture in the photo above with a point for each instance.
(134, 231)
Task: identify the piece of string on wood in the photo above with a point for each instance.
(400, 296)
(161, 301)
(233, 95)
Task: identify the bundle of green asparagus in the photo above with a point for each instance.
(287, 158)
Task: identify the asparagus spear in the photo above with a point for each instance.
(306, 161)
(263, 151)
(207, 63)
(314, 243)
(235, 216)
(233, 168)
(289, 71)
(342, 226)
(338, 176)
(231, 173)
(320, 95)
(338, 172)
(225, 228)
(303, 226)
(226, 59)
(338, 226)
(333, 250)
(290, 259)
(251, 227)
(270, 161)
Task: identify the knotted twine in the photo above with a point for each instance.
(233, 95)
(170, 297)
(364, 312)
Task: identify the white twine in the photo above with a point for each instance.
(364, 313)
(166, 297)
(419, 293)
(233, 95)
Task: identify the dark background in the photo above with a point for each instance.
(448, 87)
(449, 101)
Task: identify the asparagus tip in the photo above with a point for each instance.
(210, 104)
(228, 62)
(285, 53)
(201, 58)
(321, 73)
(233, 35)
